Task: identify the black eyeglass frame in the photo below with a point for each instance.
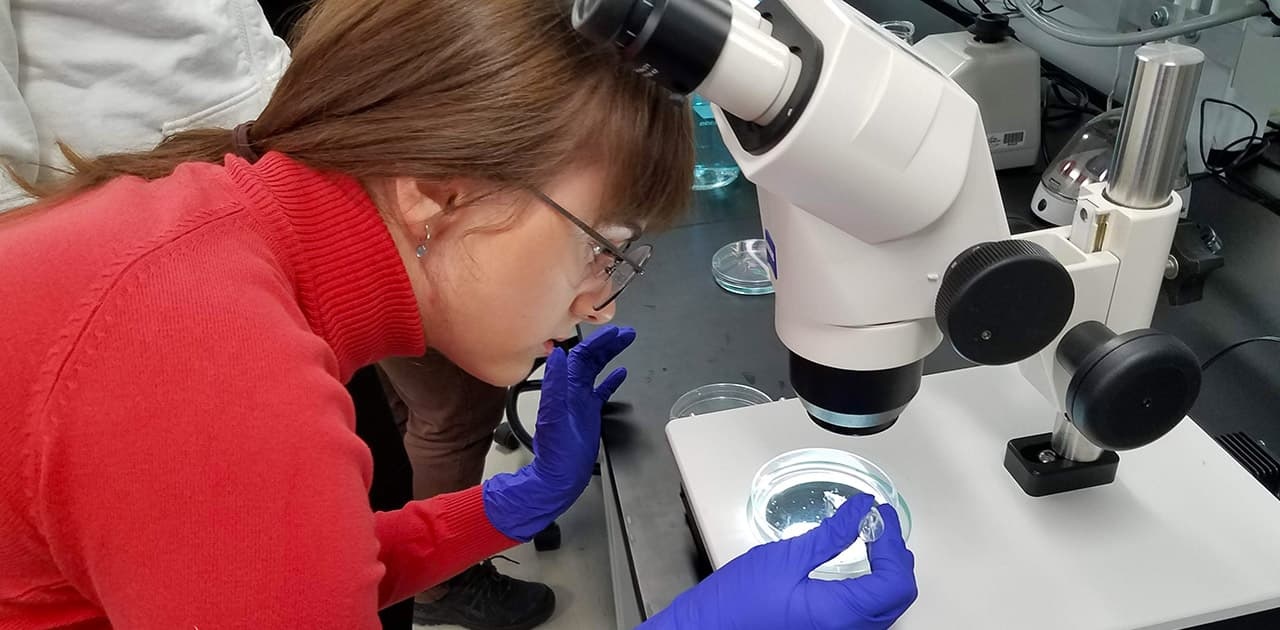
(620, 254)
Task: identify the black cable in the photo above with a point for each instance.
(1253, 135)
(1219, 354)
(1228, 174)
(1011, 9)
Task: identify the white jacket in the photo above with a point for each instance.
(116, 75)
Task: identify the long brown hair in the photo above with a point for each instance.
(500, 91)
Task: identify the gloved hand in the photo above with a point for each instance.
(769, 587)
(566, 440)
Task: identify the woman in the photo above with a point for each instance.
(446, 174)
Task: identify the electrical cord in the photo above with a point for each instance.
(1010, 9)
(1248, 154)
(1091, 37)
(1115, 78)
(981, 8)
(1066, 100)
(1254, 152)
(1221, 353)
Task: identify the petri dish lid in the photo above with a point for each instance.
(795, 491)
(717, 397)
(742, 267)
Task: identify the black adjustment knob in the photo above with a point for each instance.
(1127, 390)
(990, 28)
(1003, 301)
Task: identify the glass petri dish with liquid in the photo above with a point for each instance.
(795, 491)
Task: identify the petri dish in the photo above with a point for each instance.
(742, 267)
(795, 491)
(717, 397)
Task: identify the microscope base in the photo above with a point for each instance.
(1038, 479)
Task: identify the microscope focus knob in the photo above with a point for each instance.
(1130, 389)
(1003, 301)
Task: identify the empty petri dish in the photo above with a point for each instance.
(717, 397)
(742, 267)
(795, 491)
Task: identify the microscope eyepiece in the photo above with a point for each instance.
(674, 42)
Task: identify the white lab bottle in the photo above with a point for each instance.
(1003, 76)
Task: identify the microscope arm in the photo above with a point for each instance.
(1116, 383)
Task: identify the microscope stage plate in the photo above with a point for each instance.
(1183, 536)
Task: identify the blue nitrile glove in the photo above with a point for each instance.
(769, 588)
(566, 441)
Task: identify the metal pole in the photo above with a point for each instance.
(1154, 129)
(1068, 442)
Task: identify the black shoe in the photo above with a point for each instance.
(480, 598)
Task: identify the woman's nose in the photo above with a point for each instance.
(584, 308)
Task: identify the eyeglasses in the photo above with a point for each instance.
(628, 260)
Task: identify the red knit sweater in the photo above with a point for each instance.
(177, 449)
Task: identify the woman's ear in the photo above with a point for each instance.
(419, 203)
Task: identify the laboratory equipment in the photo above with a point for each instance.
(880, 243)
(795, 491)
(714, 167)
(742, 267)
(1086, 159)
(1003, 75)
(717, 397)
(1240, 39)
(884, 229)
(902, 29)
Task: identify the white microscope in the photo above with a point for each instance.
(886, 231)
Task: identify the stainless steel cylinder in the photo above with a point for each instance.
(1069, 443)
(1154, 128)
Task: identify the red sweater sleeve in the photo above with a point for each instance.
(200, 469)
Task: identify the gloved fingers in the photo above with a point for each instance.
(875, 600)
(554, 378)
(891, 586)
(890, 550)
(590, 356)
(610, 384)
(828, 539)
(554, 390)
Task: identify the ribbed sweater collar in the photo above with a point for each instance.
(348, 276)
